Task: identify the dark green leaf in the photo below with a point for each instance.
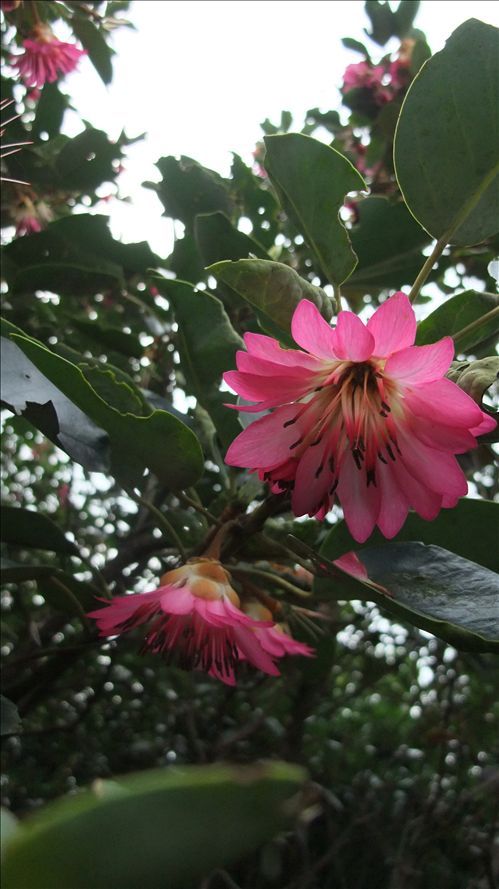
(207, 344)
(23, 527)
(160, 441)
(445, 154)
(382, 19)
(174, 825)
(475, 377)
(404, 16)
(312, 180)
(188, 189)
(111, 337)
(68, 594)
(15, 572)
(28, 392)
(49, 111)
(439, 592)
(388, 242)
(93, 41)
(10, 721)
(218, 240)
(470, 529)
(356, 46)
(468, 308)
(272, 288)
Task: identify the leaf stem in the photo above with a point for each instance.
(275, 579)
(428, 265)
(161, 520)
(474, 325)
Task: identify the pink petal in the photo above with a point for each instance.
(394, 504)
(424, 501)
(260, 346)
(487, 424)
(312, 483)
(295, 370)
(421, 364)
(177, 600)
(351, 563)
(393, 325)
(272, 389)
(253, 651)
(353, 340)
(444, 438)
(439, 471)
(360, 502)
(442, 401)
(312, 332)
(267, 442)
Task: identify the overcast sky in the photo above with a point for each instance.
(199, 76)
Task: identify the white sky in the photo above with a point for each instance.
(199, 76)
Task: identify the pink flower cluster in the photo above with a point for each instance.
(358, 413)
(45, 58)
(196, 620)
(382, 81)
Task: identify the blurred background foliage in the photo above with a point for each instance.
(396, 729)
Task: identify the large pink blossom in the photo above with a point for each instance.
(358, 413)
(195, 620)
(363, 75)
(45, 58)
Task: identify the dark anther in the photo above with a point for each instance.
(396, 444)
(296, 443)
(380, 455)
(357, 456)
(316, 442)
(390, 452)
(371, 477)
(289, 422)
(333, 487)
(385, 406)
(331, 463)
(319, 470)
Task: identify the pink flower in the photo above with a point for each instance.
(27, 224)
(195, 619)
(400, 74)
(45, 58)
(362, 74)
(358, 413)
(275, 639)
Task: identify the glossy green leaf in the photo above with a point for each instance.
(27, 392)
(50, 110)
(438, 591)
(312, 180)
(388, 242)
(162, 828)
(188, 189)
(24, 527)
(468, 309)
(207, 344)
(160, 441)
(112, 338)
(93, 41)
(218, 240)
(475, 377)
(272, 288)
(17, 572)
(10, 721)
(470, 529)
(445, 154)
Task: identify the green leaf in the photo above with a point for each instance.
(445, 151)
(93, 41)
(466, 309)
(23, 527)
(404, 16)
(475, 377)
(68, 594)
(217, 240)
(438, 591)
(160, 441)
(10, 721)
(111, 337)
(207, 344)
(312, 180)
(470, 529)
(388, 242)
(272, 288)
(174, 825)
(356, 46)
(382, 21)
(26, 391)
(188, 189)
(49, 111)
(15, 572)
